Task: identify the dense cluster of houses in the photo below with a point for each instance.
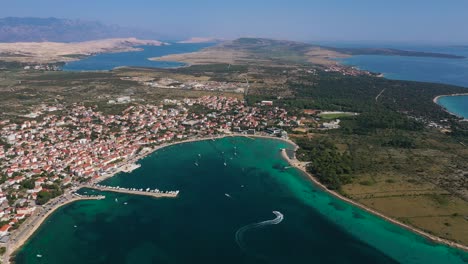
(43, 67)
(350, 71)
(79, 143)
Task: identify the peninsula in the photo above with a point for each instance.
(54, 52)
(267, 51)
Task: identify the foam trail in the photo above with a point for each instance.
(240, 232)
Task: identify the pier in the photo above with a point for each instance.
(146, 192)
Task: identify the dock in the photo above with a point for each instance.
(145, 192)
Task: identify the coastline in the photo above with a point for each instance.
(13, 248)
(37, 218)
(444, 108)
(301, 166)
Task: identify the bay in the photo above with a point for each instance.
(457, 105)
(109, 61)
(215, 202)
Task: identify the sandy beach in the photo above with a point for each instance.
(302, 166)
(445, 109)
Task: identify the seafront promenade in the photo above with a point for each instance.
(32, 223)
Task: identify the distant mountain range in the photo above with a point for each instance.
(32, 29)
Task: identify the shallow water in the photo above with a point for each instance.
(201, 224)
(455, 104)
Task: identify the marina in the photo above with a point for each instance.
(146, 192)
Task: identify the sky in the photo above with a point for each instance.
(411, 21)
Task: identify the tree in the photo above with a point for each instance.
(43, 197)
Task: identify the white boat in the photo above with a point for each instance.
(116, 200)
(125, 203)
(225, 164)
(227, 195)
(39, 256)
(196, 164)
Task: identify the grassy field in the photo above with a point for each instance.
(419, 203)
(330, 116)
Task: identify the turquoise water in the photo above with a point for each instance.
(109, 61)
(200, 225)
(455, 104)
(437, 70)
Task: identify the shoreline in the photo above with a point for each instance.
(13, 248)
(300, 166)
(38, 219)
(445, 109)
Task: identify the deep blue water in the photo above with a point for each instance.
(437, 70)
(109, 61)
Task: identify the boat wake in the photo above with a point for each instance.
(241, 231)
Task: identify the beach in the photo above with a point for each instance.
(435, 100)
(302, 166)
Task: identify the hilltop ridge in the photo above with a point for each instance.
(34, 29)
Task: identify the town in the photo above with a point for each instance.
(65, 147)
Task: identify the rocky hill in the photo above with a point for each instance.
(31, 29)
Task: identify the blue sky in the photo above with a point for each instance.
(430, 21)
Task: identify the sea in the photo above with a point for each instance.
(437, 70)
(239, 202)
(109, 61)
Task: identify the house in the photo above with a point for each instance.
(25, 210)
(4, 230)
